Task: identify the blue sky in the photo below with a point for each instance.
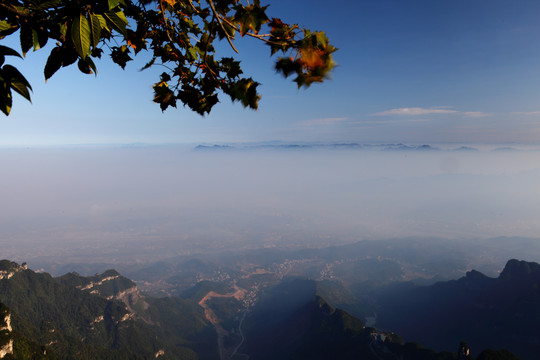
(465, 71)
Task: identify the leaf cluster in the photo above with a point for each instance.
(180, 36)
(11, 79)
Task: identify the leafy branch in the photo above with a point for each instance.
(219, 18)
(179, 34)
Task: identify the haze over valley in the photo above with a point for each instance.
(242, 234)
(145, 203)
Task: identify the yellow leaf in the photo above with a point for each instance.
(312, 58)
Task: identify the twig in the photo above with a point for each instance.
(164, 20)
(256, 36)
(221, 25)
(193, 6)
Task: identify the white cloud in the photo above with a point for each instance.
(416, 111)
(475, 114)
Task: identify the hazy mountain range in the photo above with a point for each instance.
(330, 146)
(484, 310)
(105, 316)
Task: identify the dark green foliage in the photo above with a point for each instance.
(5, 335)
(182, 326)
(25, 349)
(22, 347)
(97, 284)
(11, 79)
(48, 311)
(79, 324)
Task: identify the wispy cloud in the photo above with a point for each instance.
(323, 121)
(437, 110)
(475, 114)
(416, 111)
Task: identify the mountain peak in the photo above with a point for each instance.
(519, 268)
(323, 306)
(475, 275)
(9, 268)
(109, 273)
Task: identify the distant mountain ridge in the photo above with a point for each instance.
(330, 146)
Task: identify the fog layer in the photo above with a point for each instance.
(178, 200)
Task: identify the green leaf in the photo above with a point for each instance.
(69, 56)
(245, 91)
(230, 29)
(251, 17)
(87, 66)
(90, 63)
(40, 38)
(48, 4)
(62, 28)
(118, 21)
(27, 39)
(192, 53)
(83, 67)
(54, 62)
(5, 99)
(7, 51)
(113, 4)
(4, 25)
(7, 29)
(22, 89)
(17, 81)
(80, 35)
(96, 29)
(102, 22)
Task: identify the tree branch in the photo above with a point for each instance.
(221, 25)
(13, 10)
(256, 36)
